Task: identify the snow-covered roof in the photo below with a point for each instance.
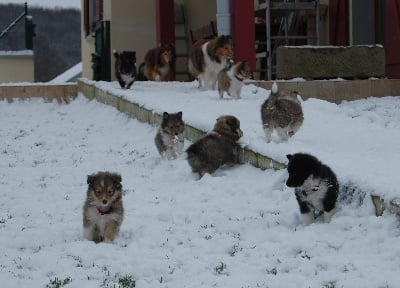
(70, 75)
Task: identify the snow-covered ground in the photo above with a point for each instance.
(240, 228)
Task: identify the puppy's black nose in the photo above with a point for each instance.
(104, 201)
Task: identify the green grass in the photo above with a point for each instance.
(58, 283)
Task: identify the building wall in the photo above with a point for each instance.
(132, 27)
(199, 13)
(17, 67)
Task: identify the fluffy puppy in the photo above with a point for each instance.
(103, 211)
(230, 79)
(207, 58)
(315, 185)
(281, 113)
(217, 148)
(169, 139)
(158, 63)
(125, 68)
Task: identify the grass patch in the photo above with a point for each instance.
(58, 283)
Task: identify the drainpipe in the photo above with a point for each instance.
(224, 17)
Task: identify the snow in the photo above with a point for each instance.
(17, 53)
(238, 228)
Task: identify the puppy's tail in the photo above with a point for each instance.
(141, 76)
(274, 88)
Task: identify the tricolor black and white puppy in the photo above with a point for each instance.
(315, 185)
(125, 68)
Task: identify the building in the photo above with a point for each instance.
(140, 25)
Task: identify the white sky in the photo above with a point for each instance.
(49, 3)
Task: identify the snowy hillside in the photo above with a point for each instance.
(240, 228)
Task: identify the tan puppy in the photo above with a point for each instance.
(103, 211)
(230, 79)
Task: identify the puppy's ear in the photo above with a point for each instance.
(116, 179)
(91, 179)
(179, 115)
(289, 157)
(165, 116)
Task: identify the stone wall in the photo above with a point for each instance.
(328, 62)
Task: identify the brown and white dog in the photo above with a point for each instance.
(103, 211)
(230, 79)
(158, 63)
(207, 58)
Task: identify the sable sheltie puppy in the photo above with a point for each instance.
(231, 79)
(158, 63)
(315, 185)
(281, 113)
(217, 148)
(103, 211)
(207, 58)
(169, 138)
(125, 68)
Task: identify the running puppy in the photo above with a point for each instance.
(315, 185)
(158, 63)
(169, 138)
(125, 68)
(230, 79)
(217, 148)
(281, 113)
(207, 58)
(103, 211)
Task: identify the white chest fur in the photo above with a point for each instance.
(127, 78)
(235, 86)
(313, 191)
(212, 68)
(100, 220)
(173, 143)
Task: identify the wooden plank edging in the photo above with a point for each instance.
(63, 93)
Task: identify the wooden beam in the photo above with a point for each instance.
(243, 31)
(165, 20)
(165, 14)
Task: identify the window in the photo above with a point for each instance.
(93, 15)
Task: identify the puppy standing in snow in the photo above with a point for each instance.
(230, 79)
(125, 68)
(103, 210)
(169, 139)
(281, 113)
(315, 185)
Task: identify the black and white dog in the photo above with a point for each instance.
(316, 186)
(125, 68)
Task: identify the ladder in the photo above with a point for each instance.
(182, 43)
